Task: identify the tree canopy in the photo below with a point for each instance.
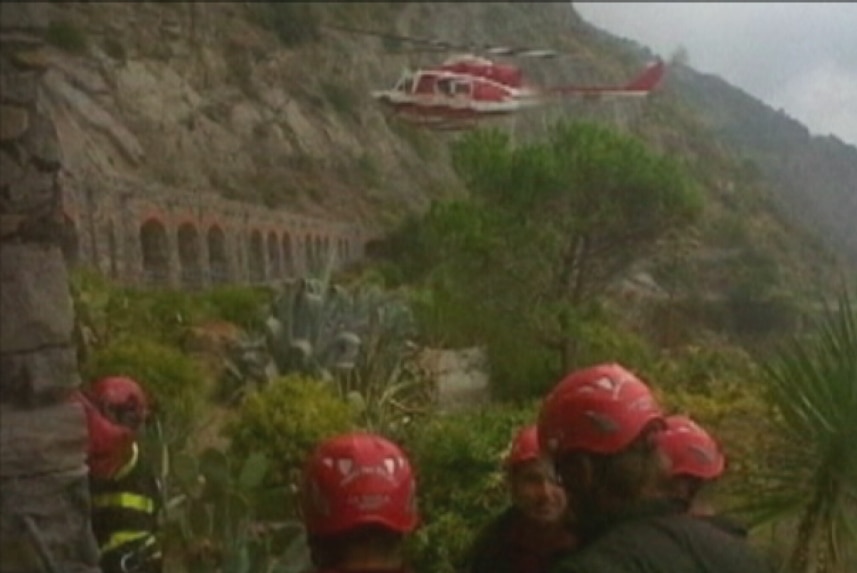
(548, 227)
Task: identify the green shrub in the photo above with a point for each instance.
(66, 36)
(171, 312)
(702, 368)
(286, 420)
(460, 485)
(604, 339)
(720, 387)
(241, 305)
(174, 381)
(439, 545)
(518, 369)
(105, 312)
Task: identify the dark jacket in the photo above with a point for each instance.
(124, 519)
(718, 520)
(726, 524)
(509, 545)
(659, 537)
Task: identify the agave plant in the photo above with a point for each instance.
(813, 480)
(358, 339)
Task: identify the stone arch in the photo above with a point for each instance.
(256, 258)
(70, 241)
(112, 250)
(288, 256)
(274, 265)
(340, 249)
(155, 249)
(309, 253)
(190, 255)
(318, 245)
(218, 262)
(325, 248)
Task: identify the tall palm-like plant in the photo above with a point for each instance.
(812, 478)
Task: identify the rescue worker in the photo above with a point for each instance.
(600, 425)
(125, 494)
(696, 459)
(358, 502)
(527, 536)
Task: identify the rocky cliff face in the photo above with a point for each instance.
(218, 98)
(44, 496)
(268, 104)
(204, 97)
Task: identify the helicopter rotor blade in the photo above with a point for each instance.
(442, 45)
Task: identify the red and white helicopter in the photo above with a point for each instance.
(467, 88)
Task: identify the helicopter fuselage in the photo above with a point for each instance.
(440, 94)
(468, 88)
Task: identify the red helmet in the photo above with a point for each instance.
(600, 409)
(691, 450)
(108, 445)
(358, 479)
(524, 448)
(120, 399)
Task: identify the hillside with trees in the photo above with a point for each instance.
(813, 178)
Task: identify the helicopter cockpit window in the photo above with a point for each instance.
(461, 88)
(452, 87)
(405, 83)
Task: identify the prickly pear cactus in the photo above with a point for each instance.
(226, 520)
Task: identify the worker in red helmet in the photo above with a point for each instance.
(695, 460)
(530, 534)
(358, 502)
(125, 493)
(601, 425)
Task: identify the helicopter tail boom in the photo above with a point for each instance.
(641, 85)
(648, 79)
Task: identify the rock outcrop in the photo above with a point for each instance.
(44, 496)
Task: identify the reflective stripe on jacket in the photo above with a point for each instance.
(124, 509)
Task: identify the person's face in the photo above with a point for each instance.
(575, 476)
(535, 491)
(128, 416)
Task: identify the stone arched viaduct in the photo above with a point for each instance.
(140, 233)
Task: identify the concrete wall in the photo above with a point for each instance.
(144, 233)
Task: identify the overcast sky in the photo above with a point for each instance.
(801, 57)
